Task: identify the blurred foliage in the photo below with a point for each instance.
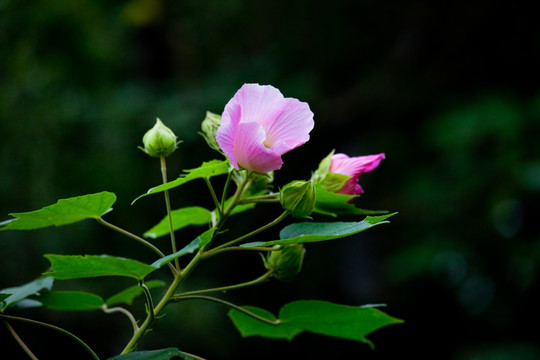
(449, 92)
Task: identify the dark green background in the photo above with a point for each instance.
(450, 93)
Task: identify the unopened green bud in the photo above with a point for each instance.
(209, 129)
(298, 198)
(159, 141)
(286, 262)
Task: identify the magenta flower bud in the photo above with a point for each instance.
(259, 125)
(353, 167)
(339, 173)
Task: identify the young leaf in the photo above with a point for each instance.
(313, 232)
(65, 211)
(78, 266)
(128, 295)
(71, 300)
(206, 170)
(163, 354)
(334, 204)
(13, 295)
(201, 240)
(181, 218)
(320, 317)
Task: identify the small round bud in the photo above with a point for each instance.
(209, 128)
(286, 262)
(159, 141)
(298, 198)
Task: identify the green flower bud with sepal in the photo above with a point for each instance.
(286, 262)
(159, 140)
(298, 198)
(209, 127)
(330, 181)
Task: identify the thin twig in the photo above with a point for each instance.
(59, 329)
(20, 341)
(229, 304)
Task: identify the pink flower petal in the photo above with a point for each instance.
(251, 152)
(282, 125)
(353, 167)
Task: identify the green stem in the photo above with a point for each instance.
(59, 329)
(130, 316)
(225, 190)
(246, 236)
(274, 197)
(214, 196)
(168, 205)
(226, 288)
(193, 356)
(238, 248)
(149, 300)
(135, 237)
(231, 305)
(21, 343)
(237, 195)
(179, 277)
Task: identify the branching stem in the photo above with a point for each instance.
(225, 288)
(217, 249)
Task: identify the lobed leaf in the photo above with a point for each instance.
(321, 317)
(314, 232)
(206, 170)
(193, 215)
(79, 266)
(11, 296)
(162, 354)
(64, 212)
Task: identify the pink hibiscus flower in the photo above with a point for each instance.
(259, 125)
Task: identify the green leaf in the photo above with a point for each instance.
(78, 266)
(71, 300)
(163, 354)
(201, 240)
(249, 326)
(314, 232)
(13, 295)
(128, 295)
(333, 204)
(320, 317)
(65, 211)
(342, 321)
(181, 218)
(206, 170)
